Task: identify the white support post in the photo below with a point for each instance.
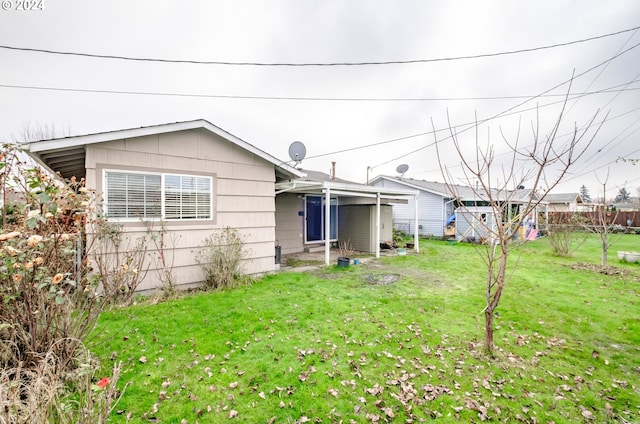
(327, 227)
(416, 244)
(378, 225)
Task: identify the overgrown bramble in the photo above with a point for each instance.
(45, 286)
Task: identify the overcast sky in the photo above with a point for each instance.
(334, 108)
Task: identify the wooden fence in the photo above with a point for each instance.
(625, 219)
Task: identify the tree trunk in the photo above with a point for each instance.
(488, 330)
(495, 285)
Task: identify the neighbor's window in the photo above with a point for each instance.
(134, 195)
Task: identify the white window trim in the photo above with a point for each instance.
(162, 196)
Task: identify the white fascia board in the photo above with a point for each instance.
(408, 184)
(71, 142)
(81, 140)
(297, 184)
(369, 189)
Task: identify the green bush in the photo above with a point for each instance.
(221, 259)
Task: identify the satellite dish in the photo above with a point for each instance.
(297, 151)
(401, 169)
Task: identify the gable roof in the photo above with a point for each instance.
(439, 189)
(563, 198)
(67, 155)
(464, 193)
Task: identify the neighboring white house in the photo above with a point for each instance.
(435, 203)
(440, 212)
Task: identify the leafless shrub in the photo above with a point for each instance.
(120, 260)
(164, 244)
(564, 231)
(221, 259)
(345, 249)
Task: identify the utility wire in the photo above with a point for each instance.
(613, 89)
(511, 109)
(389, 62)
(608, 119)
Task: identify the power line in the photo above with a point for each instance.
(613, 89)
(389, 62)
(510, 110)
(608, 119)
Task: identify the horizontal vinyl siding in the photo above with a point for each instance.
(354, 226)
(243, 188)
(430, 212)
(289, 225)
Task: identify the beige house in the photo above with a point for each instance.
(197, 179)
(564, 202)
(193, 176)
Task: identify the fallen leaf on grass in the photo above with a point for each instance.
(233, 413)
(333, 392)
(375, 390)
(374, 418)
(388, 412)
(587, 414)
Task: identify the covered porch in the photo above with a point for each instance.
(315, 214)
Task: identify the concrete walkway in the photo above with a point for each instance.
(315, 260)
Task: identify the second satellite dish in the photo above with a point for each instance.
(297, 151)
(401, 169)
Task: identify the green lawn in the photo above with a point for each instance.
(347, 345)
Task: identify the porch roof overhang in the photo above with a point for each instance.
(330, 188)
(388, 195)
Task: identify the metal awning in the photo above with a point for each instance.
(329, 188)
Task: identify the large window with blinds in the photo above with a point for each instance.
(137, 195)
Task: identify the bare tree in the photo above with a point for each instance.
(541, 165)
(601, 220)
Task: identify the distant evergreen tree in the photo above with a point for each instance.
(584, 193)
(623, 195)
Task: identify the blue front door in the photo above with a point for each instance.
(315, 218)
